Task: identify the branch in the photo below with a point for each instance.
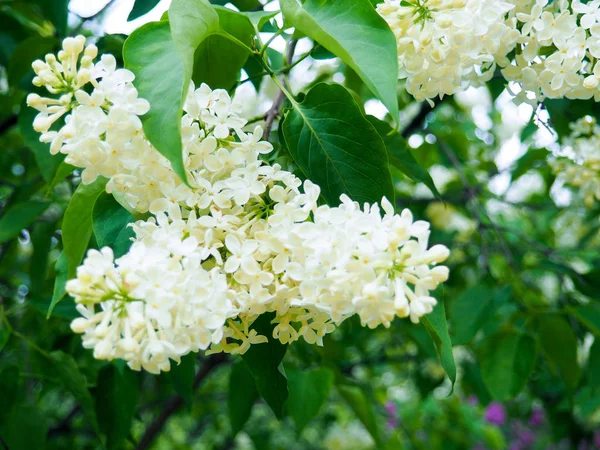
(273, 112)
(176, 402)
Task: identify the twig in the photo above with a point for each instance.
(64, 425)
(273, 112)
(176, 402)
(417, 122)
(472, 194)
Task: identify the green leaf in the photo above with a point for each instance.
(401, 156)
(559, 345)
(62, 275)
(469, 311)
(242, 5)
(4, 335)
(73, 381)
(24, 428)
(77, 222)
(241, 396)
(141, 7)
(588, 315)
(27, 51)
(62, 172)
(593, 368)
(588, 284)
(150, 53)
(116, 403)
(506, 361)
(9, 388)
(336, 147)
(260, 18)
(218, 61)
(358, 35)
(263, 362)
(182, 375)
(110, 225)
(362, 407)
(309, 390)
(20, 216)
(41, 238)
(192, 21)
(532, 158)
(437, 327)
(57, 12)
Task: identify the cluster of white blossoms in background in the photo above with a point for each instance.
(557, 51)
(246, 239)
(581, 169)
(445, 46)
(549, 48)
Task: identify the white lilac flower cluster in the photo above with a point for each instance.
(557, 51)
(445, 46)
(581, 169)
(549, 48)
(247, 238)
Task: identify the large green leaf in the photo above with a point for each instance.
(506, 361)
(336, 147)
(437, 327)
(559, 345)
(150, 53)
(241, 396)
(192, 21)
(469, 311)
(358, 35)
(589, 315)
(77, 222)
(264, 363)
(23, 428)
(401, 156)
(309, 389)
(73, 381)
(362, 407)
(141, 7)
(110, 225)
(116, 403)
(218, 61)
(20, 216)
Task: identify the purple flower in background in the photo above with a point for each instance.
(391, 408)
(526, 437)
(495, 413)
(537, 417)
(597, 439)
(472, 400)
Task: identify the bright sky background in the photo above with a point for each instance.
(115, 18)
